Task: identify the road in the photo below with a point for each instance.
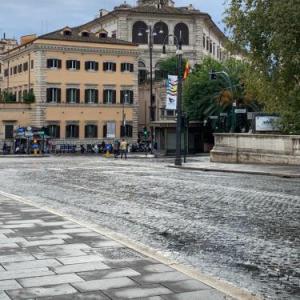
(241, 228)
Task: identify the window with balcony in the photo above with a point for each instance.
(91, 66)
(72, 131)
(91, 131)
(109, 96)
(109, 66)
(73, 64)
(73, 95)
(91, 96)
(54, 131)
(126, 97)
(53, 63)
(127, 67)
(53, 95)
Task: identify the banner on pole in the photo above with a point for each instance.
(172, 92)
(111, 130)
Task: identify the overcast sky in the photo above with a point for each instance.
(21, 17)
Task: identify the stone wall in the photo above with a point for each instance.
(256, 148)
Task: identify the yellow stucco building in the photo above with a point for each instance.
(85, 87)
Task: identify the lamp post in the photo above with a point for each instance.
(179, 53)
(151, 34)
(124, 116)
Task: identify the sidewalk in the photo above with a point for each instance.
(46, 256)
(203, 164)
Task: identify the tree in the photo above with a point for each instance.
(267, 32)
(169, 66)
(204, 97)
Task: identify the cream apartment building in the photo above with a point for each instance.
(84, 86)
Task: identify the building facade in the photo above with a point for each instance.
(81, 86)
(168, 24)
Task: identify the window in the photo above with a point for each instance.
(73, 95)
(85, 34)
(114, 34)
(19, 95)
(32, 64)
(91, 66)
(142, 72)
(72, 131)
(53, 95)
(183, 30)
(204, 41)
(91, 131)
(15, 70)
(109, 66)
(109, 96)
(20, 68)
(139, 34)
(11, 71)
(91, 96)
(25, 66)
(161, 33)
(73, 64)
(210, 46)
(9, 131)
(53, 63)
(207, 43)
(126, 97)
(103, 35)
(126, 67)
(126, 131)
(67, 32)
(54, 131)
(25, 94)
(5, 72)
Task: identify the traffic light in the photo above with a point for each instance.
(213, 75)
(145, 131)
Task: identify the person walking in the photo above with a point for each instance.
(123, 148)
(116, 148)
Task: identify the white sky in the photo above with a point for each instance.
(21, 17)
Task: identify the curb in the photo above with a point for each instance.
(282, 175)
(23, 156)
(222, 286)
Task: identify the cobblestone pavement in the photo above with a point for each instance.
(44, 256)
(241, 228)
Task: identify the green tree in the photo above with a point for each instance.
(267, 32)
(169, 66)
(204, 97)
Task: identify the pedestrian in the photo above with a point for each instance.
(123, 148)
(103, 147)
(116, 148)
(96, 150)
(4, 148)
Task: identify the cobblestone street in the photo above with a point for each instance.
(243, 229)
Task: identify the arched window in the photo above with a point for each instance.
(181, 27)
(139, 34)
(161, 32)
(142, 72)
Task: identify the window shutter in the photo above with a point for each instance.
(114, 97)
(131, 68)
(68, 64)
(114, 67)
(104, 96)
(77, 65)
(131, 97)
(104, 66)
(49, 63)
(96, 66)
(58, 95)
(59, 63)
(122, 67)
(121, 97)
(76, 131)
(49, 95)
(96, 96)
(104, 131)
(86, 95)
(77, 95)
(86, 64)
(68, 95)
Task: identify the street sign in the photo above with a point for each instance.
(214, 117)
(240, 110)
(223, 114)
(267, 123)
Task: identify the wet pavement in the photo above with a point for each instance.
(241, 228)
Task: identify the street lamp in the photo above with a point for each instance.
(151, 34)
(179, 53)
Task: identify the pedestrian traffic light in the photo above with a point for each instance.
(145, 131)
(213, 75)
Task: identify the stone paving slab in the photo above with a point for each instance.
(44, 256)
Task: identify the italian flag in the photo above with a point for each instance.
(187, 70)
